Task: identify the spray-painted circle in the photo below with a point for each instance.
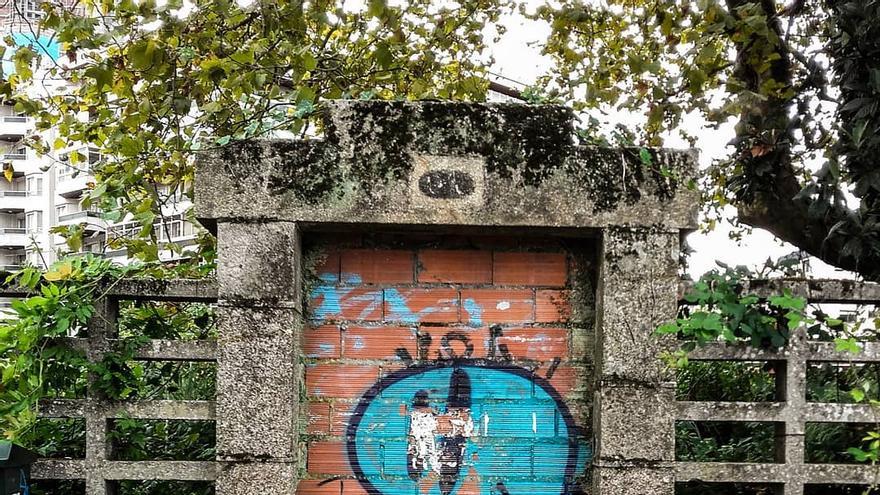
(525, 440)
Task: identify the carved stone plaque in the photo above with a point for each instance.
(438, 180)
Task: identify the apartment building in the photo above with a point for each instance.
(47, 191)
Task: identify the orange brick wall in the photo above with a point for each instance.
(381, 315)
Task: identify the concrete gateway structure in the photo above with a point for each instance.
(444, 298)
(454, 299)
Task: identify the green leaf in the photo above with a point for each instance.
(847, 345)
(667, 329)
(142, 54)
(858, 395)
(310, 63)
(645, 157)
(858, 131)
(129, 146)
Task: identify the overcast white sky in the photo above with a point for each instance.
(518, 57)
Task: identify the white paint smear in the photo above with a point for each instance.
(503, 305)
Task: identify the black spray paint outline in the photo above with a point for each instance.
(385, 382)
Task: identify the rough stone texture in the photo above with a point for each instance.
(634, 422)
(257, 388)
(637, 292)
(146, 289)
(633, 480)
(634, 401)
(259, 263)
(819, 290)
(146, 409)
(256, 478)
(374, 154)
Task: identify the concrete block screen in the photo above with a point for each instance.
(447, 366)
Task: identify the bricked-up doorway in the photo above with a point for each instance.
(440, 365)
(291, 420)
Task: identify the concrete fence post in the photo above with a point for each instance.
(258, 376)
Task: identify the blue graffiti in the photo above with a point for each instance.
(452, 428)
(474, 310)
(332, 298)
(399, 311)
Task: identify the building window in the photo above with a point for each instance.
(60, 210)
(173, 228)
(34, 221)
(28, 9)
(35, 185)
(65, 172)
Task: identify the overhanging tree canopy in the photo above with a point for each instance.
(163, 81)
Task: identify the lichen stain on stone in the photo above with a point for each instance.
(368, 150)
(302, 168)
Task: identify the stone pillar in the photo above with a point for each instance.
(258, 375)
(635, 397)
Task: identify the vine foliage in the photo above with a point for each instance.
(720, 308)
(36, 362)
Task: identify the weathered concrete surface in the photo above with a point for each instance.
(446, 163)
(633, 480)
(634, 398)
(815, 290)
(634, 423)
(257, 477)
(259, 264)
(257, 388)
(145, 409)
(638, 280)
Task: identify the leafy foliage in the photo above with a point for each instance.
(722, 311)
(719, 309)
(33, 361)
(161, 82)
(708, 441)
(806, 128)
(174, 440)
(726, 381)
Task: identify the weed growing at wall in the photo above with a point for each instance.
(32, 354)
(718, 308)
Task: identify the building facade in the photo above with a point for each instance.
(45, 192)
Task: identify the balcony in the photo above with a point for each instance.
(92, 220)
(13, 201)
(13, 238)
(71, 183)
(13, 128)
(15, 156)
